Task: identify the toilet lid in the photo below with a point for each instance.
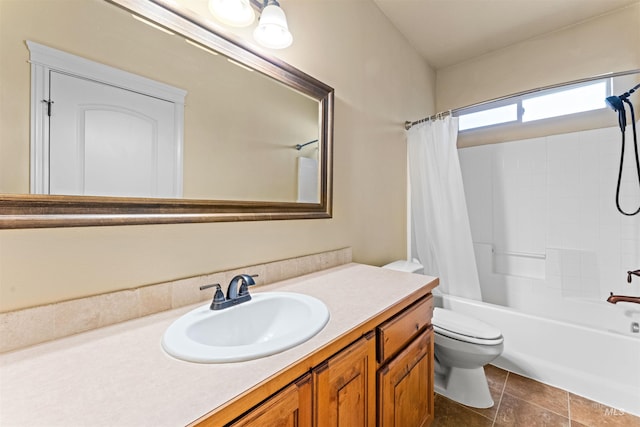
(459, 326)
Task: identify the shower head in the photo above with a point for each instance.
(615, 103)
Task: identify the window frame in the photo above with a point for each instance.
(518, 101)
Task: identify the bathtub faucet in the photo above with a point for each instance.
(635, 273)
(614, 299)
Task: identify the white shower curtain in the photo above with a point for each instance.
(440, 223)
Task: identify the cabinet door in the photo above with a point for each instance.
(290, 407)
(345, 387)
(405, 395)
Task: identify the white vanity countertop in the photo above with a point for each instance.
(120, 376)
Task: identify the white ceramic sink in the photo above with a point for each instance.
(267, 324)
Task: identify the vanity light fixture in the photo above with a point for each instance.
(235, 13)
(272, 30)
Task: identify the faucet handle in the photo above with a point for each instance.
(244, 290)
(218, 296)
(635, 273)
(246, 282)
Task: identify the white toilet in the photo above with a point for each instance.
(463, 345)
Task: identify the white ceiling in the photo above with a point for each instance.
(447, 32)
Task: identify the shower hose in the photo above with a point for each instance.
(622, 122)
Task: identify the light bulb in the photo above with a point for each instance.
(236, 13)
(272, 30)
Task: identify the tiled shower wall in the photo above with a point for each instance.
(544, 220)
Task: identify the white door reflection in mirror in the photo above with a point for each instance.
(108, 141)
(99, 130)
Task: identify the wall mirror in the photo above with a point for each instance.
(243, 115)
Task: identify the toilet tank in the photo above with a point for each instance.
(406, 266)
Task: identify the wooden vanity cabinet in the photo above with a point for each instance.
(405, 380)
(344, 387)
(383, 378)
(290, 407)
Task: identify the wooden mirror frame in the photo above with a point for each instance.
(39, 211)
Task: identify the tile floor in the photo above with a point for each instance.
(523, 402)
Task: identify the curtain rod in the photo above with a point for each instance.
(299, 146)
(408, 124)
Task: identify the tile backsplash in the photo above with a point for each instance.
(22, 328)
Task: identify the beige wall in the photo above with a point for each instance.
(379, 81)
(608, 43)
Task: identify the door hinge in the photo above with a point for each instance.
(49, 103)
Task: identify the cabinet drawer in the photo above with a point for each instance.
(395, 333)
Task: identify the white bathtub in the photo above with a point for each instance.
(600, 364)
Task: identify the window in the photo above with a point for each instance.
(568, 101)
(541, 105)
(493, 116)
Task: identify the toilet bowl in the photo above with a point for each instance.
(463, 346)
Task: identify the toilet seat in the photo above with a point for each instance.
(463, 328)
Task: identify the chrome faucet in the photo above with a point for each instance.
(237, 292)
(614, 299)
